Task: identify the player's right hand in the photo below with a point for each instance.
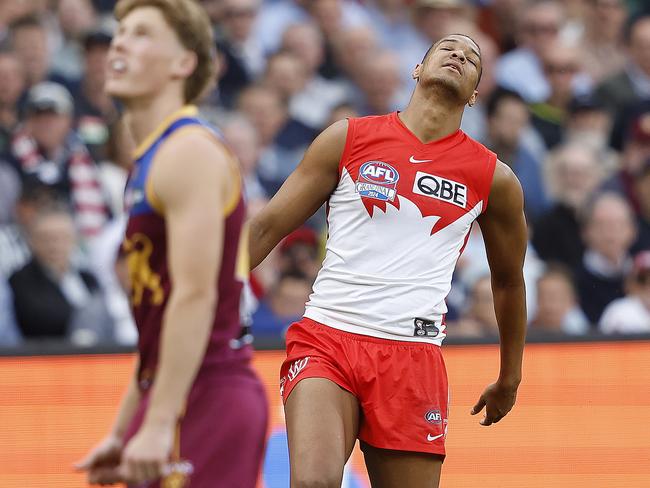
(102, 462)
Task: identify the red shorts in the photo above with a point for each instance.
(401, 386)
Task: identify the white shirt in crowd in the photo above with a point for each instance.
(625, 316)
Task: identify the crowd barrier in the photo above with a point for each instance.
(582, 417)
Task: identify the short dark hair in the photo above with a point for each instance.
(435, 44)
(499, 95)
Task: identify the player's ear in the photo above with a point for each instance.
(416, 72)
(186, 64)
(473, 99)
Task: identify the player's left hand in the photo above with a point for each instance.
(146, 455)
(498, 400)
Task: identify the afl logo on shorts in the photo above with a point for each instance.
(433, 417)
(377, 180)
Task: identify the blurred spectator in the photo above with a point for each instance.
(433, 18)
(589, 123)
(109, 265)
(393, 22)
(573, 173)
(283, 305)
(632, 83)
(47, 149)
(642, 193)
(94, 109)
(340, 112)
(277, 16)
(557, 305)
(479, 320)
(75, 18)
(636, 150)
(498, 19)
(244, 142)
(52, 298)
(9, 192)
(14, 251)
(351, 47)
(608, 231)
(299, 254)
(12, 86)
(313, 103)
(283, 139)
(602, 46)
(241, 50)
(508, 117)
(9, 12)
(538, 25)
(561, 64)
(114, 169)
(9, 332)
(631, 314)
(379, 88)
(29, 41)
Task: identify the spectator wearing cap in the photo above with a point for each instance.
(94, 110)
(46, 148)
(631, 314)
(589, 123)
(573, 173)
(608, 231)
(632, 83)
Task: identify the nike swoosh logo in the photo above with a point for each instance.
(416, 161)
(434, 437)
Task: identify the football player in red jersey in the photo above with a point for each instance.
(195, 413)
(352, 372)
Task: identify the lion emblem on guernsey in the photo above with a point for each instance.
(141, 277)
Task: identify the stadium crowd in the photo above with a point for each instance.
(564, 100)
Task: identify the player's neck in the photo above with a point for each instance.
(144, 115)
(431, 120)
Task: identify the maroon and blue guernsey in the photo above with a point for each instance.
(145, 246)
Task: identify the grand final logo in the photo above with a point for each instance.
(377, 180)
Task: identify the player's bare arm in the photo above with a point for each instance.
(306, 189)
(193, 201)
(505, 234)
(102, 462)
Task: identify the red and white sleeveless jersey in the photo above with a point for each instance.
(398, 221)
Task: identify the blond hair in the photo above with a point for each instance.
(190, 22)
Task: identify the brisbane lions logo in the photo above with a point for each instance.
(138, 250)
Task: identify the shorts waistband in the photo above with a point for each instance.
(362, 337)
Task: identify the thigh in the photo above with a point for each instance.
(223, 434)
(322, 424)
(398, 469)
